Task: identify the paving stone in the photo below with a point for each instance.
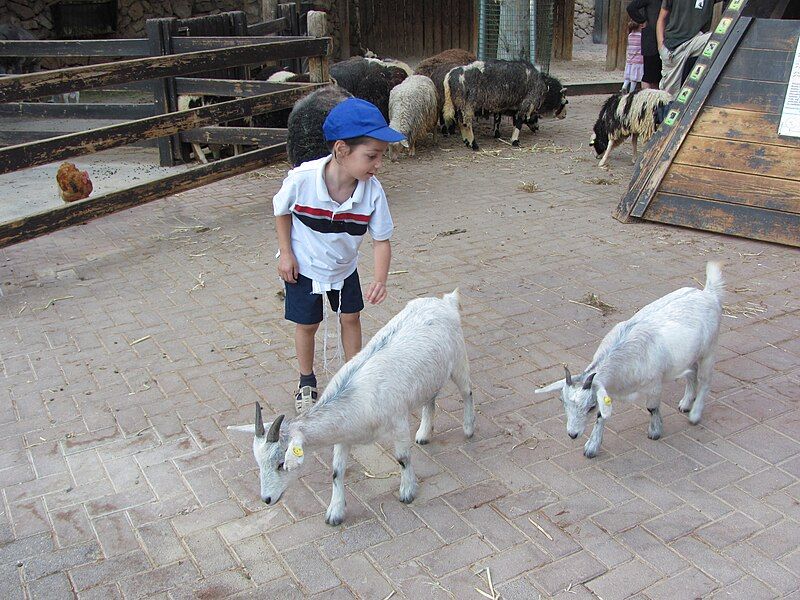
(691, 583)
(455, 556)
(361, 576)
(311, 570)
(624, 581)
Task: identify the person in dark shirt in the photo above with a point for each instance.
(682, 32)
(646, 11)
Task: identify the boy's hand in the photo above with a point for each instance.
(288, 268)
(376, 293)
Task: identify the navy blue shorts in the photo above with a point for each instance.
(305, 308)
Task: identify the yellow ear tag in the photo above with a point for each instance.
(607, 400)
(297, 451)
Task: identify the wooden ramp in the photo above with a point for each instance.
(718, 163)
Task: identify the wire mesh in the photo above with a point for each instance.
(516, 30)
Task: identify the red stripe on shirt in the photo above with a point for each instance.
(321, 212)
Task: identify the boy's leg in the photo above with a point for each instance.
(304, 345)
(351, 334)
(352, 302)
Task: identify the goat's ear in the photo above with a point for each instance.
(251, 429)
(604, 402)
(294, 456)
(550, 388)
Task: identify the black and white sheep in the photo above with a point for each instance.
(413, 111)
(369, 79)
(437, 67)
(636, 115)
(501, 87)
(305, 139)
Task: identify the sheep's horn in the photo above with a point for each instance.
(275, 429)
(588, 383)
(259, 421)
(568, 375)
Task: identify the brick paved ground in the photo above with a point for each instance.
(119, 478)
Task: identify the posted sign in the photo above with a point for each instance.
(790, 117)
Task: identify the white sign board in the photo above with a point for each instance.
(790, 117)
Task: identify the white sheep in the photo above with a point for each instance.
(413, 111)
(672, 338)
(371, 397)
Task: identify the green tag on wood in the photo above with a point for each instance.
(672, 116)
(684, 95)
(708, 51)
(735, 4)
(697, 72)
(723, 26)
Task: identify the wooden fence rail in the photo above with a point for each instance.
(47, 83)
(14, 158)
(74, 48)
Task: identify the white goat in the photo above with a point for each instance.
(372, 396)
(413, 111)
(672, 338)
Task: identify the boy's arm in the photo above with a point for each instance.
(382, 250)
(287, 264)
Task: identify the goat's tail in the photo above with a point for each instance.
(453, 298)
(448, 110)
(714, 282)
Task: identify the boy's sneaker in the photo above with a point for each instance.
(305, 398)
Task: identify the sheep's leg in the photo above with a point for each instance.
(518, 122)
(335, 513)
(497, 118)
(411, 150)
(460, 377)
(656, 427)
(634, 139)
(691, 390)
(402, 453)
(592, 446)
(426, 424)
(611, 145)
(467, 132)
(704, 368)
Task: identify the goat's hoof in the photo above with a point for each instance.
(422, 441)
(694, 420)
(654, 435)
(515, 143)
(407, 499)
(475, 146)
(590, 452)
(334, 521)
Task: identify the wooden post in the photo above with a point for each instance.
(269, 10)
(563, 29)
(289, 12)
(318, 65)
(617, 35)
(159, 35)
(343, 9)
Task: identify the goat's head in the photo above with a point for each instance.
(599, 139)
(277, 456)
(580, 396)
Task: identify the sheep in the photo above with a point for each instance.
(371, 397)
(500, 87)
(437, 67)
(637, 114)
(454, 56)
(671, 338)
(305, 140)
(412, 111)
(368, 79)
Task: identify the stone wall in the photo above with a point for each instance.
(36, 16)
(584, 21)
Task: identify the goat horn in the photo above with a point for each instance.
(275, 429)
(259, 421)
(588, 383)
(568, 375)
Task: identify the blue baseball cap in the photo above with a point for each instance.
(355, 117)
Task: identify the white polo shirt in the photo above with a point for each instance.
(325, 234)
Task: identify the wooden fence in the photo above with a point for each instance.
(167, 63)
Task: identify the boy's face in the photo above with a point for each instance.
(363, 161)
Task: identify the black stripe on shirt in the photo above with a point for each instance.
(321, 225)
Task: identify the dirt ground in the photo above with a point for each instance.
(128, 344)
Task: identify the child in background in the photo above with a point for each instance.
(634, 63)
(322, 212)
